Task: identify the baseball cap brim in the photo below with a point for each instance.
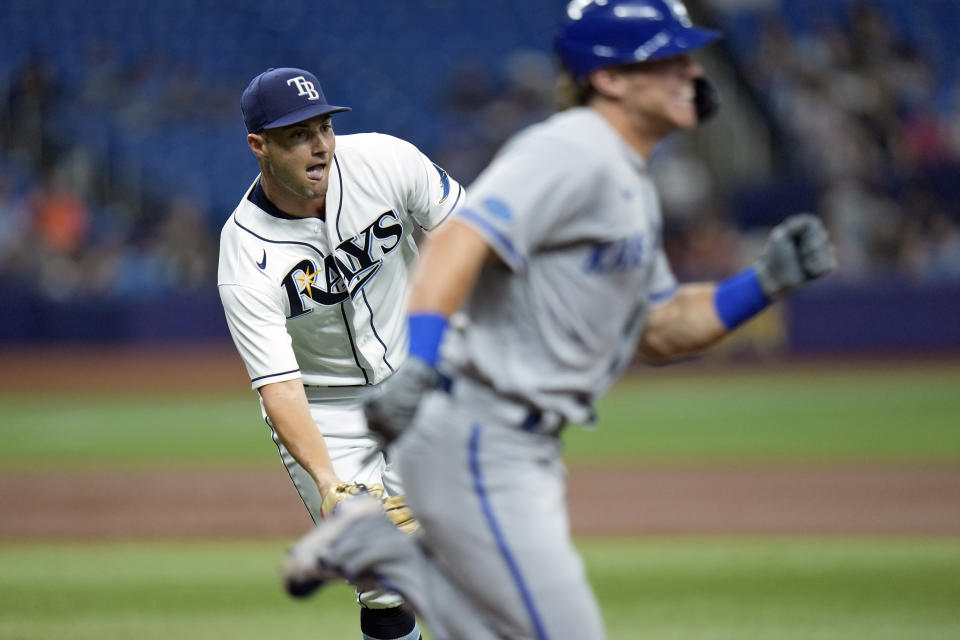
(305, 113)
(684, 40)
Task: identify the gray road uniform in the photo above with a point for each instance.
(572, 213)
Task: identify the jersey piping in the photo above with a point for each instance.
(353, 345)
(259, 197)
(498, 238)
(274, 375)
(447, 214)
(663, 296)
(336, 163)
(363, 293)
(259, 237)
(375, 333)
(451, 210)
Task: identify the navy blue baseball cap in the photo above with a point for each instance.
(278, 97)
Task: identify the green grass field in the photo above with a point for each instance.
(894, 416)
(899, 416)
(697, 588)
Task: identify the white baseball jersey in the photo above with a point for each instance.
(573, 214)
(324, 299)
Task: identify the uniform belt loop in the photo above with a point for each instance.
(549, 423)
(445, 383)
(532, 420)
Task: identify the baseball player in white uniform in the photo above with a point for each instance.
(557, 263)
(313, 275)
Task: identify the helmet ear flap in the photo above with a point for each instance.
(706, 99)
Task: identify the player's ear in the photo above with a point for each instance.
(608, 82)
(257, 143)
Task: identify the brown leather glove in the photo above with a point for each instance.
(394, 506)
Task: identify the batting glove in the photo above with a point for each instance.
(797, 252)
(391, 412)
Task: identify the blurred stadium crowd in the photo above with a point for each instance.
(122, 149)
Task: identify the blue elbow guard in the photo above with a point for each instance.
(426, 334)
(739, 298)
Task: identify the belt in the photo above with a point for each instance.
(340, 394)
(487, 402)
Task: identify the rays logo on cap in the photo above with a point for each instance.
(304, 87)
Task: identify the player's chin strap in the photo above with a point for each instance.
(706, 99)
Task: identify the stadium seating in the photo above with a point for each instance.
(930, 26)
(388, 60)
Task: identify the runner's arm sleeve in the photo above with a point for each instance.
(525, 196)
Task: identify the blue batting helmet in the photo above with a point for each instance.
(603, 33)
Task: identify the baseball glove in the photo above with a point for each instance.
(394, 506)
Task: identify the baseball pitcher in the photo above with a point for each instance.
(313, 272)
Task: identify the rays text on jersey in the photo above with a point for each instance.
(347, 269)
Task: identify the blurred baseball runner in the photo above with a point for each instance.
(313, 273)
(557, 262)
